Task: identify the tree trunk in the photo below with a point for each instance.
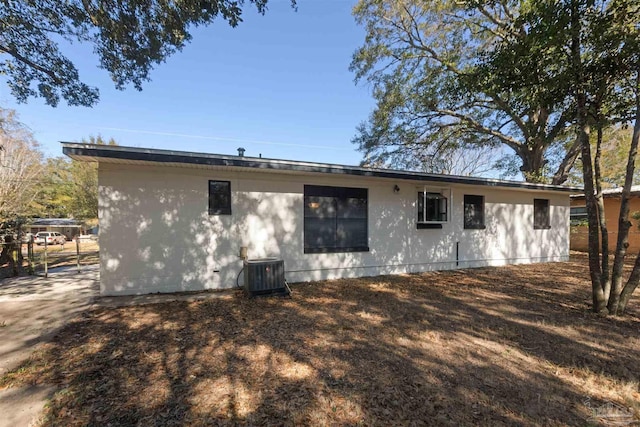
(605, 279)
(582, 114)
(20, 234)
(4, 252)
(623, 221)
(562, 174)
(8, 254)
(599, 301)
(533, 162)
(630, 287)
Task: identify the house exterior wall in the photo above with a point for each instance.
(157, 236)
(580, 234)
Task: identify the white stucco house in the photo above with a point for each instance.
(176, 221)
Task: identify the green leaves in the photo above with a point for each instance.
(434, 71)
(130, 38)
(615, 152)
(70, 188)
(30, 54)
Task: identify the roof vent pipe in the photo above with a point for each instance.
(241, 152)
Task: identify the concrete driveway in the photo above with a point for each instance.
(31, 309)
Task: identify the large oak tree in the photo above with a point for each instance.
(586, 54)
(421, 59)
(129, 37)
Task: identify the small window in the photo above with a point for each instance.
(432, 207)
(219, 198)
(578, 215)
(473, 212)
(541, 214)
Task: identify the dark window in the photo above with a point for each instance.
(432, 207)
(219, 198)
(541, 214)
(473, 212)
(578, 215)
(335, 219)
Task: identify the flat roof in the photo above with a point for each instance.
(136, 155)
(56, 222)
(613, 192)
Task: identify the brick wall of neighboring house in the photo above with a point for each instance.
(579, 234)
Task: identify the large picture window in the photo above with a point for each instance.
(335, 219)
(541, 219)
(473, 212)
(219, 198)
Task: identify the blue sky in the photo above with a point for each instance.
(277, 85)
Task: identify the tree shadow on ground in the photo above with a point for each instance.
(491, 346)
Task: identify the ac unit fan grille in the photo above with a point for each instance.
(264, 276)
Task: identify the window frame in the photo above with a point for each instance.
(224, 210)
(340, 196)
(578, 217)
(547, 207)
(423, 193)
(473, 226)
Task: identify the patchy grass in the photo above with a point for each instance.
(57, 256)
(494, 346)
(66, 255)
(67, 259)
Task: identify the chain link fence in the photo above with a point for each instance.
(29, 257)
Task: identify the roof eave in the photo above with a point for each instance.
(90, 152)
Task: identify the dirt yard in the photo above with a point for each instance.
(494, 346)
(57, 256)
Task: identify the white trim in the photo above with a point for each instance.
(438, 190)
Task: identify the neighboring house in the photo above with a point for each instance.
(611, 197)
(65, 226)
(176, 221)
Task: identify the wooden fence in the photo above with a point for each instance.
(29, 258)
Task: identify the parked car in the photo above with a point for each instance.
(52, 238)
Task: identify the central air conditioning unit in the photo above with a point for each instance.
(264, 276)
